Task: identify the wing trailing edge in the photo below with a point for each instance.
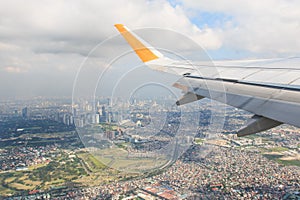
(188, 98)
(257, 124)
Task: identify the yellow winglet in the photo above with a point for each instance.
(138, 44)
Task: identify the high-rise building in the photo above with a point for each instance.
(74, 112)
(25, 112)
(97, 118)
(57, 117)
(65, 119)
(103, 115)
(103, 111)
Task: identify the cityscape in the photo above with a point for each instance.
(49, 151)
(150, 100)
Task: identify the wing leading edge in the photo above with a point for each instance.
(269, 89)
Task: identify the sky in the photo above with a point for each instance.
(43, 44)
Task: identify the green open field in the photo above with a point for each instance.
(120, 159)
(42, 176)
(91, 163)
(289, 162)
(279, 149)
(199, 140)
(276, 154)
(84, 170)
(47, 135)
(277, 158)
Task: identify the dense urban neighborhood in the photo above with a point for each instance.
(47, 153)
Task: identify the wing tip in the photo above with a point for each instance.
(142, 49)
(120, 27)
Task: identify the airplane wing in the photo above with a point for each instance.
(270, 89)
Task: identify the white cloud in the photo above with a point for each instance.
(12, 69)
(74, 22)
(51, 37)
(268, 26)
